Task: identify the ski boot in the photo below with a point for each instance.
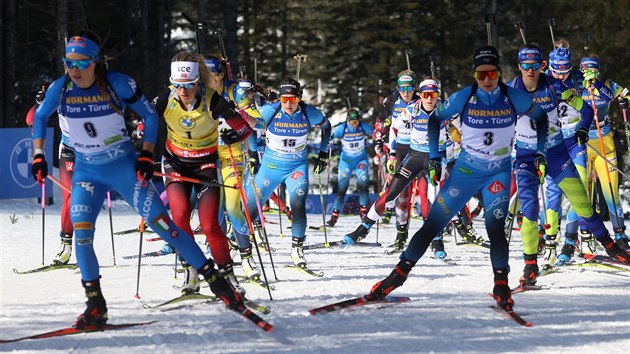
(191, 280)
(437, 245)
(530, 272)
(289, 214)
(589, 240)
(614, 251)
(568, 249)
(464, 232)
(96, 312)
(401, 237)
(475, 212)
(333, 218)
(167, 249)
(248, 264)
(502, 293)
(360, 233)
(549, 253)
(363, 210)
(63, 257)
(227, 272)
(387, 215)
(395, 279)
(297, 252)
(221, 287)
(621, 239)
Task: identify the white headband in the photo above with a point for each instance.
(184, 70)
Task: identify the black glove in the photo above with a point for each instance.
(39, 168)
(41, 94)
(254, 162)
(581, 136)
(144, 165)
(435, 171)
(623, 102)
(229, 136)
(321, 163)
(540, 162)
(378, 146)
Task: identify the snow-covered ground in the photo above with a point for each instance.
(584, 309)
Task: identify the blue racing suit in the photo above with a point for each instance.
(105, 160)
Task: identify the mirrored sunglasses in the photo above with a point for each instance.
(79, 64)
(533, 66)
(184, 85)
(429, 94)
(405, 88)
(291, 99)
(481, 75)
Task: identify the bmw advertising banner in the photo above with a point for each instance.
(16, 180)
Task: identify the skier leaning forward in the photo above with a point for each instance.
(488, 110)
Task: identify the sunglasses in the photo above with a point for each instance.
(405, 88)
(285, 99)
(429, 94)
(79, 64)
(492, 74)
(184, 85)
(533, 66)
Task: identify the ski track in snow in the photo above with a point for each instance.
(585, 309)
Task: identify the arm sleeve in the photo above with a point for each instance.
(367, 129)
(48, 106)
(219, 106)
(453, 106)
(128, 90)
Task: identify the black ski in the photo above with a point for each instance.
(483, 244)
(47, 268)
(183, 297)
(605, 261)
(147, 230)
(148, 254)
(305, 270)
(339, 244)
(72, 330)
(357, 301)
(255, 319)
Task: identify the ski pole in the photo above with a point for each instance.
(614, 167)
(43, 218)
(247, 215)
(279, 211)
(603, 150)
(58, 182)
(111, 225)
(194, 180)
(321, 200)
(137, 296)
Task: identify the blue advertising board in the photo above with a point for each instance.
(16, 180)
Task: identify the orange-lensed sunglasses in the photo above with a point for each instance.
(284, 99)
(481, 75)
(429, 94)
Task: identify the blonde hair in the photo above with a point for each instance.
(561, 43)
(204, 73)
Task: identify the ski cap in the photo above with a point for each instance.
(214, 65)
(589, 63)
(289, 86)
(428, 85)
(560, 60)
(407, 78)
(529, 53)
(84, 46)
(486, 55)
(184, 70)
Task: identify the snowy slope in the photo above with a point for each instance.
(585, 309)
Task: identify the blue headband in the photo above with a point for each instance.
(84, 46)
(214, 65)
(534, 54)
(589, 63)
(560, 60)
